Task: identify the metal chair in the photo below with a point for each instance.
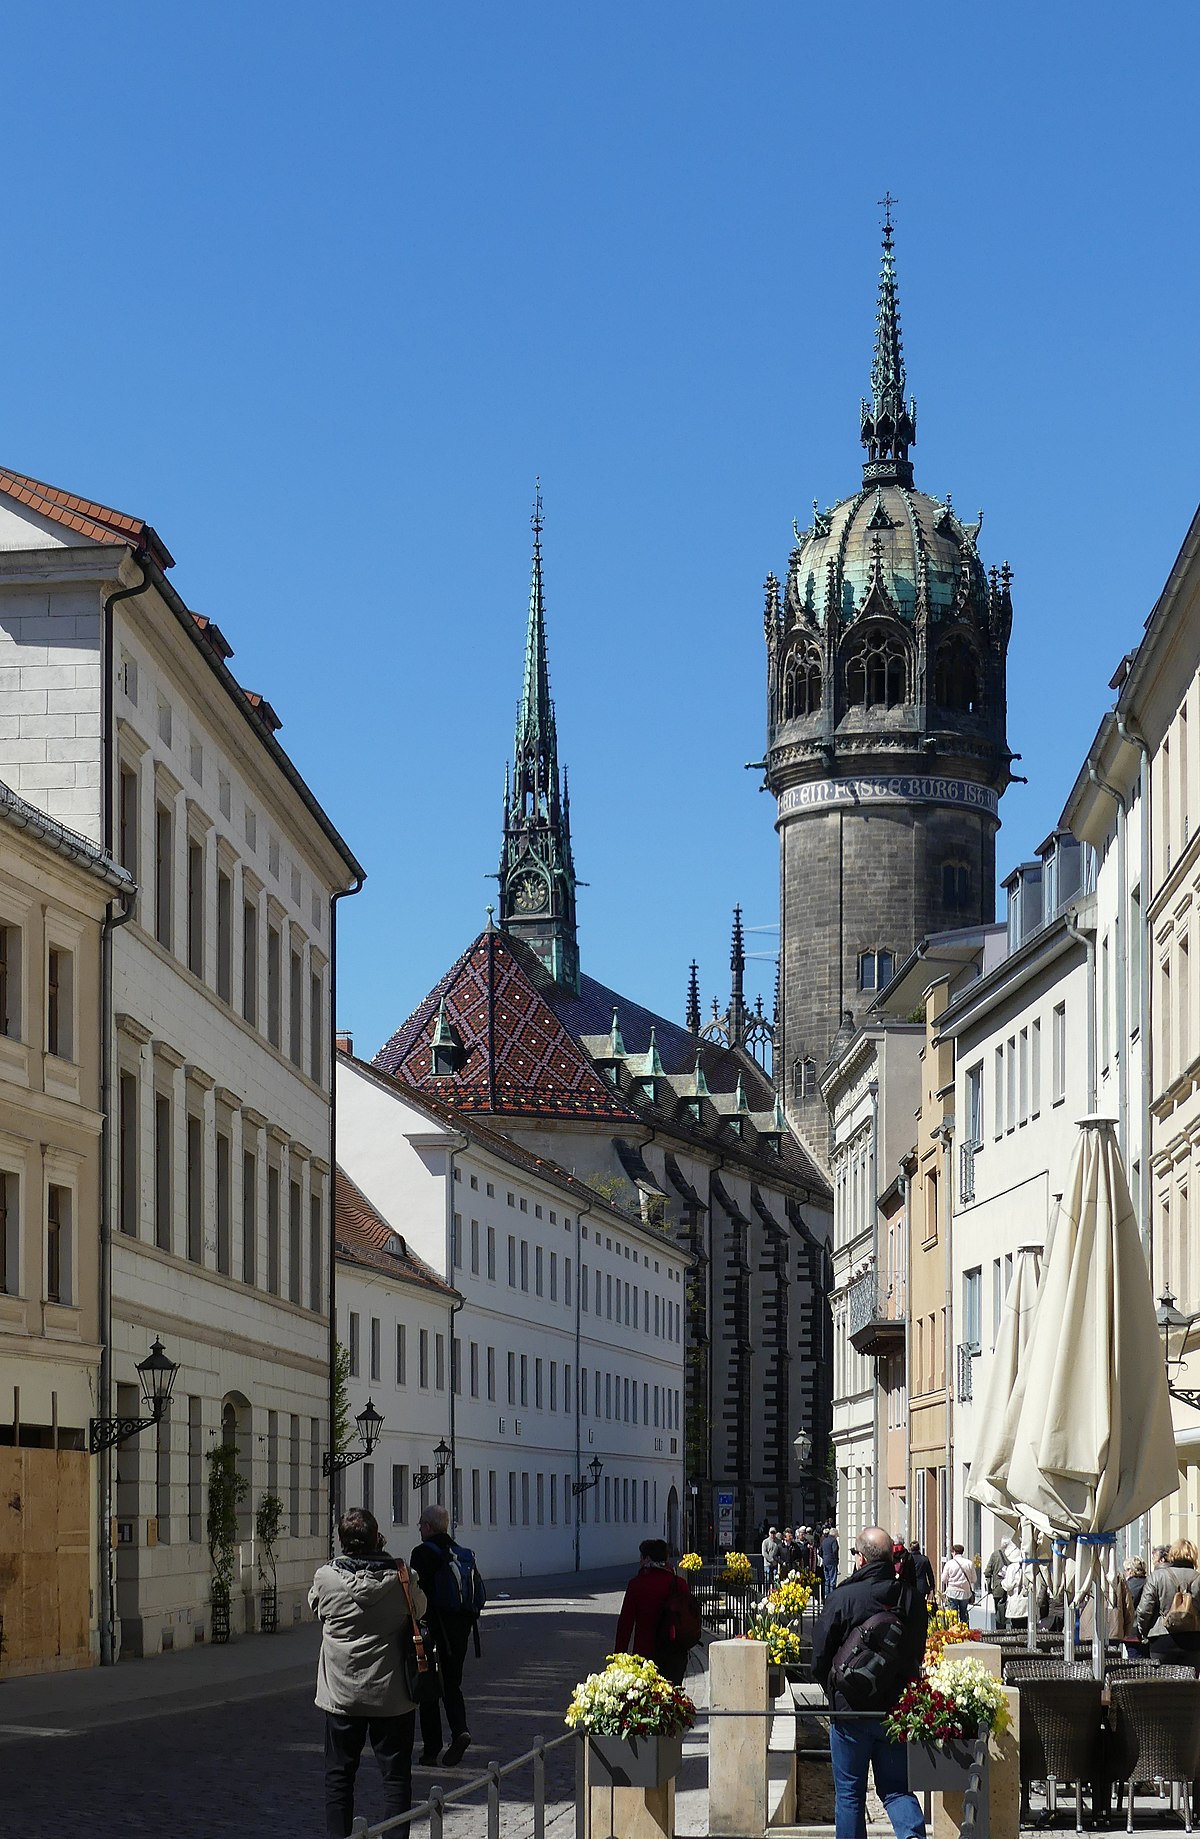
(1157, 1735)
(1060, 1733)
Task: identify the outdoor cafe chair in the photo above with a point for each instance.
(1016, 1668)
(1157, 1732)
(1060, 1733)
(1145, 1669)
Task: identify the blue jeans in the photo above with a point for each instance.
(856, 1745)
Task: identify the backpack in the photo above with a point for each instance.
(869, 1668)
(1183, 1617)
(458, 1589)
(679, 1627)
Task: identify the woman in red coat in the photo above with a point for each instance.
(642, 1611)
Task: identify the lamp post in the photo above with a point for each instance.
(157, 1376)
(802, 1444)
(370, 1423)
(424, 1477)
(595, 1469)
(1175, 1328)
(694, 1491)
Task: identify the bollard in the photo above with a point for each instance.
(737, 1747)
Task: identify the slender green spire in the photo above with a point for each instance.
(889, 424)
(535, 750)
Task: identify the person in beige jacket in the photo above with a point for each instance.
(362, 1606)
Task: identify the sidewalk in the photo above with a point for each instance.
(249, 1667)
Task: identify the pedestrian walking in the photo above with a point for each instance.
(830, 1555)
(922, 1571)
(450, 1579)
(993, 1578)
(660, 1618)
(362, 1604)
(772, 1547)
(958, 1582)
(860, 1745)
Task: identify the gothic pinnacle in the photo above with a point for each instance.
(693, 998)
(889, 424)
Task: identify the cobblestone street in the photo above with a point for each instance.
(227, 1741)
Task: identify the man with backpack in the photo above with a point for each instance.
(867, 1646)
(454, 1590)
(660, 1618)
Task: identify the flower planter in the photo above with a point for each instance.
(635, 1762)
(943, 1768)
(220, 1620)
(268, 1620)
(774, 1682)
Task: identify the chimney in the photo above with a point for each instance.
(345, 1042)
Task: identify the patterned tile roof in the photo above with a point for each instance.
(364, 1237)
(528, 1046)
(99, 522)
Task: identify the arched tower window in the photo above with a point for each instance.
(801, 685)
(877, 671)
(804, 1077)
(956, 676)
(956, 885)
(875, 969)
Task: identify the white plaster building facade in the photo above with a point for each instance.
(1019, 1032)
(568, 1344)
(122, 718)
(871, 1088)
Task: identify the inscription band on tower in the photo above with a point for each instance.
(890, 789)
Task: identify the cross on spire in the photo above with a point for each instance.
(887, 201)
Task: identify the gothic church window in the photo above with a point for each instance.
(801, 685)
(875, 969)
(877, 671)
(804, 1078)
(956, 676)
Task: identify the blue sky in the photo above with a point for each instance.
(318, 292)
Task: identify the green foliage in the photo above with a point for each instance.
(227, 1489)
(341, 1398)
(268, 1523)
(621, 1193)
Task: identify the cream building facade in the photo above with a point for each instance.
(568, 1345)
(57, 892)
(130, 726)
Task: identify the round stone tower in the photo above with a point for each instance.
(886, 748)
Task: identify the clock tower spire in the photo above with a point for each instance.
(537, 870)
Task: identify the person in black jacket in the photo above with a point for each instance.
(877, 1582)
(451, 1635)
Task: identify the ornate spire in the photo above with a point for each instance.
(737, 965)
(889, 424)
(537, 869)
(693, 998)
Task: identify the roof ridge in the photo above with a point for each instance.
(101, 522)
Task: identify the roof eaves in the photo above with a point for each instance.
(20, 815)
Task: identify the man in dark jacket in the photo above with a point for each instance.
(858, 1744)
(451, 1632)
(830, 1557)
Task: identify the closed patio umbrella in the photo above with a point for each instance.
(1092, 1443)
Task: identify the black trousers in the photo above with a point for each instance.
(451, 1636)
(392, 1743)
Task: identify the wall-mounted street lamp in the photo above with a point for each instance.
(1175, 1329)
(370, 1423)
(424, 1478)
(595, 1469)
(157, 1375)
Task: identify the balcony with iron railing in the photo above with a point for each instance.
(876, 1329)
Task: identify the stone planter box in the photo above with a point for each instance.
(945, 1769)
(635, 1762)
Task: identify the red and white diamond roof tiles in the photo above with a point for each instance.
(528, 1046)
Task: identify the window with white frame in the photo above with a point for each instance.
(10, 981)
(60, 1002)
(974, 1094)
(10, 1233)
(973, 1309)
(1058, 1053)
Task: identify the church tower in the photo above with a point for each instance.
(537, 871)
(886, 747)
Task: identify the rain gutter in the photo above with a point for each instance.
(1088, 941)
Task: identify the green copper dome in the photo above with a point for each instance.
(891, 544)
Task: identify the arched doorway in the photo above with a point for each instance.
(673, 1518)
(237, 1433)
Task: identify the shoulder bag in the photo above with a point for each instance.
(420, 1665)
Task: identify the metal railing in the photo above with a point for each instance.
(966, 1172)
(489, 1784)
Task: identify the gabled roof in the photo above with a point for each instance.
(98, 522)
(530, 1046)
(364, 1237)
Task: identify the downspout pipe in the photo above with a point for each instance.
(107, 1607)
(578, 1393)
(873, 1094)
(457, 1145)
(113, 920)
(945, 1135)
(355, 887)
(1145, 1216)
(1088, 941)
(1120, 968)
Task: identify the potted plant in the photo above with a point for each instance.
(780, 1640)
(941, 1717)
(227, 1489)
(634, 1719)
(268, 1520)
(691, 1561)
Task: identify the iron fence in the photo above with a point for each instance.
(489, 1787)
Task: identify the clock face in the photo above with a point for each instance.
(529, 893)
